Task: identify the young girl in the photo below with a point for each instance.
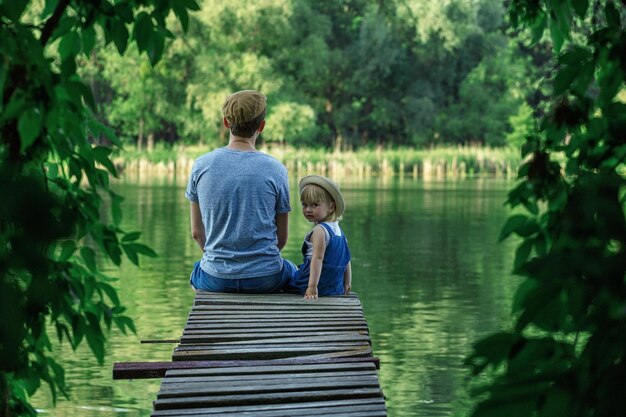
(326, 269)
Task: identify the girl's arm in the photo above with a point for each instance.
(347, 279)
(318, 239)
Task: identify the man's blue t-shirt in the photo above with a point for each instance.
(239, 194)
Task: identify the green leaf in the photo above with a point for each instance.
(564, 78)
(612, 15)
(190, 4)
(143, 30)
(68, 247)
(101, 155)
(555, 34)
(69, 46)
(155, 48)
(183, 16)
(124, 11)
(144, 250)
(521, 254)
(131, 254)
(111, 293)
(29, 127)
(13, 9)
(95, 337)
(89, 257)
(524, 290)
(580, 7)
(131, 237)
(538, 27)
(88, 37)
(119, 33)
(512, 224)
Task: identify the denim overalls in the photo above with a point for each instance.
(336, 258)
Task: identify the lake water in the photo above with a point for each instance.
(426, 265)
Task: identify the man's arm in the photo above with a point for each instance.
(197, 228)
(282, 226)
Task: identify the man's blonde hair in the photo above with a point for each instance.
(312, 193)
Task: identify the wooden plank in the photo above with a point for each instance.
(208, 314)
(270, 368)
(138, 370)
(341, 337)
(268, 398)
(321, 352)
(216, 337)
(285, 330)
(259, 324)
(291, 375)
(190, 389)
(319, 408)
(269, 307)
(275, 299)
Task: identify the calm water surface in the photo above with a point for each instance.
(426, 266)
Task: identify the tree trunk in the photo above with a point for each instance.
(140, 135)
(150, 142)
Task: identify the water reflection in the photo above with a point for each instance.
(425, 264)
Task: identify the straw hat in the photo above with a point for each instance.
(243, 106)
(331, 187)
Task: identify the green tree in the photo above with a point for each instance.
(566, 352)
(53, 179)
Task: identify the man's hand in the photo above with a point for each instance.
(346, 288)
(311, 293)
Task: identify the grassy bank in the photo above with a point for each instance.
(441, 162)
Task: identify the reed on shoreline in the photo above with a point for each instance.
(440, 162)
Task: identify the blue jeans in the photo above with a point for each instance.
(200, 280)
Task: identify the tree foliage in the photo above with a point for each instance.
(336, 72)
(565, 354)
(54, 180)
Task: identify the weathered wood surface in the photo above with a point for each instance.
(270, 356)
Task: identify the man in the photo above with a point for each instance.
(240, 207)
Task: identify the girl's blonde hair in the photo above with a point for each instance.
(312, 193)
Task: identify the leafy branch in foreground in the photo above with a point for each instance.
(566, 353)
(53, 179)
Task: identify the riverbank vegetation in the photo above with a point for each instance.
(441, 162)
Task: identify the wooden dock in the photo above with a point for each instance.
(270, 356)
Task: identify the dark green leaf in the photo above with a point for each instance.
(89, 257)
(538, 27)
(155, 48)
(612, 15)
(564, 78)
(190, 4)
(183, 16)
(580, 7)
(88, 36)
(525, 289)
(68, 247)
(512, 224)
(13, 9)
(131, 237)
(143, 31)
(143, 250)
(555, 34)
(111, 293)
(119, 34)
(522, 253)
(124, 12)
(131, 254)
(95, 337)
(29, 127)
(101, 155)
(69, 46)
